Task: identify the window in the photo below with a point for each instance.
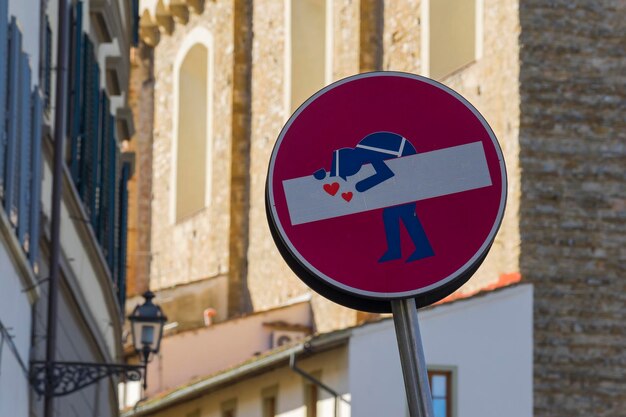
(307, 48)
(93, 154)
(311, 396)
(20, 137)
(192, 132)
(229, 408)
(122, 238)
(451, 39)
(268, 396)
(441, 389)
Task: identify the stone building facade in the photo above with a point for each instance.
(572, 142)
(547, 76)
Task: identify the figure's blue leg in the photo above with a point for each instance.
(416, 231)
(391, 220)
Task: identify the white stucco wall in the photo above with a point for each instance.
(89, 286)
(15, 314)
(487, 340)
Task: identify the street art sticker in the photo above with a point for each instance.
(383, 186)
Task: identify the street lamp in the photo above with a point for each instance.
(146, 324)
(62, 378)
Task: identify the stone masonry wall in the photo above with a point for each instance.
(346, 37)
(140, 98)
(238, 293)
(196, 248)
(490, 83)
(573, 211)
(370, 35)
(270, 281)
(401, 35)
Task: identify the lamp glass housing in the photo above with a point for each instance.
(147, 321)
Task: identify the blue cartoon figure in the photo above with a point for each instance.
(375, 149)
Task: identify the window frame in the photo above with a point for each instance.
(269, 394)
(229, 408)
(328, 52)
(451, 386)
(199, 35)
(312, 410)
(425, 38)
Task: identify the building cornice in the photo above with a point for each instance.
(161, 16)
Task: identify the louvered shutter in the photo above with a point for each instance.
(123, 231)
(36, 164)
(4, 50)
(107, 208)
(12, 160)
(117, 215)
(90, 150)
(100, 167)
(23, 180)
(47, 71)
(76, 102)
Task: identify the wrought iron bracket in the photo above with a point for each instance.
(67, 377)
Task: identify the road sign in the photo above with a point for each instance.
(385, 186)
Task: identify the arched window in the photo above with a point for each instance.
(192, 133)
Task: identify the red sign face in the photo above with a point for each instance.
(384, 186)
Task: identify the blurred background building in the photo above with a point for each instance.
(170, 197)
(212, 84)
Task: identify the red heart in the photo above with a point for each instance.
(347, 196)
(331, 188)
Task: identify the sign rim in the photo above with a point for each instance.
(460, 273)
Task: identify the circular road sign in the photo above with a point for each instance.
(385, 186)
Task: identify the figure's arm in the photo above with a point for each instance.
(383, 173)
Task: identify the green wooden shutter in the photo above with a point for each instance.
(23, 179)
(90, 149)
(4, 41)
(107, 208)
(103, 129)
(116, 217)
(12, 161)
(123, 230)
(36, 178)
(47, 71)
(76, 102)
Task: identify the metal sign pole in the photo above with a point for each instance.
(412, 358)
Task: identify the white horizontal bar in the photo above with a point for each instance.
(417, 177)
